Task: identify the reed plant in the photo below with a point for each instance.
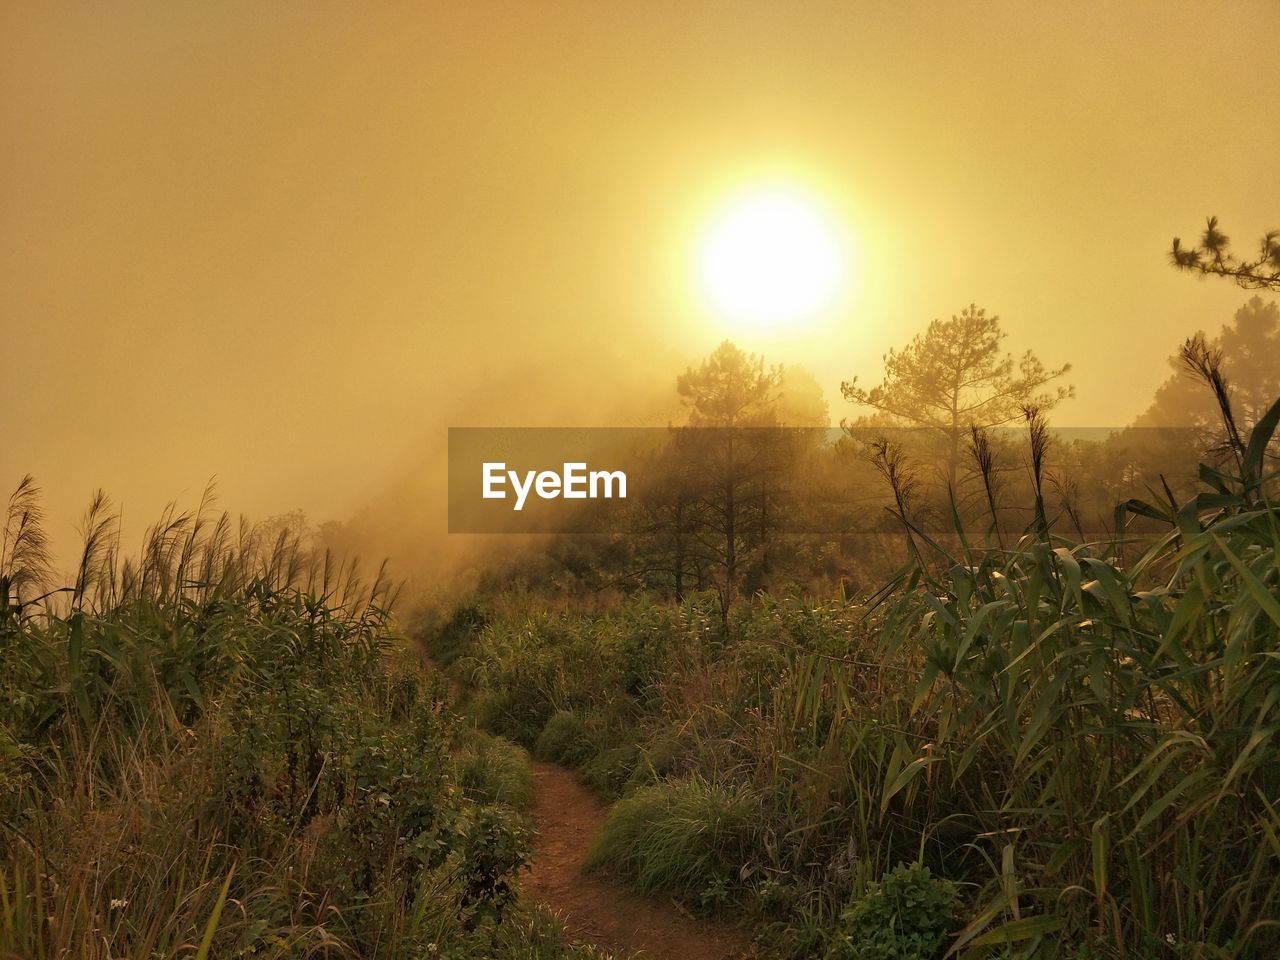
(221, 748)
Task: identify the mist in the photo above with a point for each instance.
(287, 247)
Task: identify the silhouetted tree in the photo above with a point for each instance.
(1213, 256)
(720, 487)
(1191, 423)
(665, 520)
(801, 402)
(954, 377)
(729, 446)
(1250, 349)
(730, 389)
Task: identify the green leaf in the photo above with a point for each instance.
(1257, 589)
(207, 940)
(1023, 929)
(75, 644)
(1262, 433)
(904, 777)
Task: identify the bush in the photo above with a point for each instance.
(509, 714)
(688, 837)
(495, 845)
(565, 739)
(609, 770)
(455, 635)
(492, 770)
(656, 760)
(645, 648)
(903, 917)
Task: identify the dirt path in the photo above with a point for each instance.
(596, 908)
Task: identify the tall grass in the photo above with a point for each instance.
(222, 749)
(1110, 732)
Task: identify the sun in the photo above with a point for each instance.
(772, 257)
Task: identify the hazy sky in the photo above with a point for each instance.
(290, 243)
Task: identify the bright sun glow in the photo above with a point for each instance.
(772, 257)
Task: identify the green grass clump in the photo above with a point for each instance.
(565, 739)
(655, 760)
(689, 838)
(493, 770)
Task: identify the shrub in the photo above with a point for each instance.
(455, 635)
(565, 739)
(492, 770)
(509, 714)
(903, 917)
(644, 648)
(609, 770)
(689, 837)
(494, 847)
(656, 760)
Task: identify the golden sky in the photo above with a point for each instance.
(290, 243)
